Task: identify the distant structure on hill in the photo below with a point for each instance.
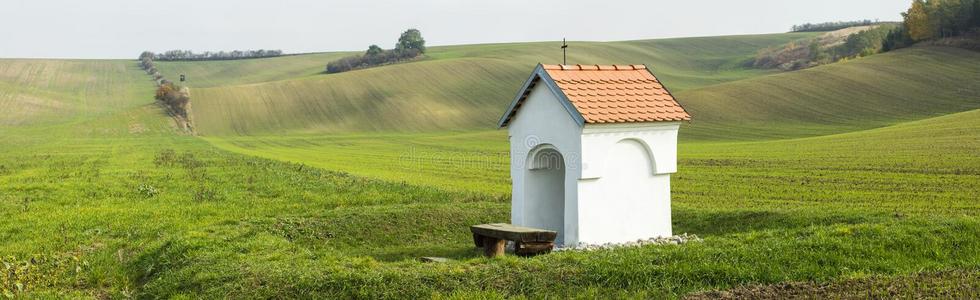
(592, 149)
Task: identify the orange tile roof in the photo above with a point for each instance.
(608, 94)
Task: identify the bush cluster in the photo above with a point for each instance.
(173, 96)
(370, 60)
(410, 45)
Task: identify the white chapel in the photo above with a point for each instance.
(592, 149)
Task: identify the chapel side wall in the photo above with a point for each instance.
(543, 120)
(615, 204)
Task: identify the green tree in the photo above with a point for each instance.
(952, 16)
(411, 39)
(976, 13)
(897, 38)
(374, 50)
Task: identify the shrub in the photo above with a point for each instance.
(174, 97)
(166, 157)
(205, 193)
(410, 45)
(366, 61)
(864, 43)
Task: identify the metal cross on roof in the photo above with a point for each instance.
(564, 58)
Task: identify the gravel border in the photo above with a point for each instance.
(668, 240)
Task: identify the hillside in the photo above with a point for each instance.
(54, 91)
(465, 87)
(456, 87)
(879, 90)
(469, 93)
(245, 71)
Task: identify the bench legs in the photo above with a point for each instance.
(533, 248)
(493, 247)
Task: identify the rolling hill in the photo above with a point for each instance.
(875, 91)
(466, 87)
(457, 87)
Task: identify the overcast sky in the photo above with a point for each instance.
(123, 28)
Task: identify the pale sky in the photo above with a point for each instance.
(124, 28)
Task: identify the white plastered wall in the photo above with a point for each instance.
(544, 123)
(624, 190)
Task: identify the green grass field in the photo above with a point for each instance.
(857, 179)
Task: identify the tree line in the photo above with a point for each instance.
(932, 19)
(187, 55)
(410, 46)
(174, 97)
(830, 26)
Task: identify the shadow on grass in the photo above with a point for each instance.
(698, 222)
(168, 256)
(411, 232)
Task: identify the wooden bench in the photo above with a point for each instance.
(527, 241)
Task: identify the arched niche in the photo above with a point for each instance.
(544, 188)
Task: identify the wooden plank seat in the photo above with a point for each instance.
(527, 241)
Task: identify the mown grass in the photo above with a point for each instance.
(467, 161)
(945, 284)
(99, 214)
(120, 204)
(479, 161)
(226, 225)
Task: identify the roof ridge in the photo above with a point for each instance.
(596, 67)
